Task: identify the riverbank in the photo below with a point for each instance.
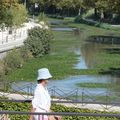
(63, 56)
(60, 61)
(90, 30)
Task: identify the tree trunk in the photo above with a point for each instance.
(68, 12)
(102, 15)
(95, 12)
(54, 10)
(114, 15)
(79, 12)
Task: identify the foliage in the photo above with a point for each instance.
(57, 108)
(35, 46)
(78, 19)
(25, 54)
(38, 41)
(5, 4)
(105, 61)
(12, 13)
(60, 108)
(16, 107)
(42, 17)
(13, 60)
(2, 69)
(56, 16)
(19, 15)
(58, 65)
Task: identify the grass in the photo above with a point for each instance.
(95, 85)
(106, 60)
(102, 98)
(93, 30)
(58, 65)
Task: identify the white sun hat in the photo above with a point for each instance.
(43, 73)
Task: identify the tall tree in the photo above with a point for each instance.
(102, 6)
(12, 13)
(78, 4)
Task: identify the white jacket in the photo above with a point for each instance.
(41, 101)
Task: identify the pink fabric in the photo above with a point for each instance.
(40, 117)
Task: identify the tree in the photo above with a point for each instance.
(99, 6)
(12, 13)
(5, 4)
(114, 5)
(91, 4)
(19, 15)
(102, 6)
(78, 4)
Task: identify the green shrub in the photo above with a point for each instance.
(116, 20)
(16, 107)
(35, 46)
(13, 60)
(38, 41)
(2, 69)
(42, 17)
(61, 108)
(56, 16)
(25, 54)
(78, 19)
(56, 108)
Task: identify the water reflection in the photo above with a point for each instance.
(81, 60)
(87, 60)
(63, 29)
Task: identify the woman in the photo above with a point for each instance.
(42, 101)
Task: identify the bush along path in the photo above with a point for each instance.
(56, 108)
(38, 41)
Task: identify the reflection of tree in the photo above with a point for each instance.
(115, 88)
(88, 52)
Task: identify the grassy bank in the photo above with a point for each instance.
(99, 98)
(96, 85)
(91, 30)
(106, 60)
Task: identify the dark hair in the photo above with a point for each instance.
(40, 81)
